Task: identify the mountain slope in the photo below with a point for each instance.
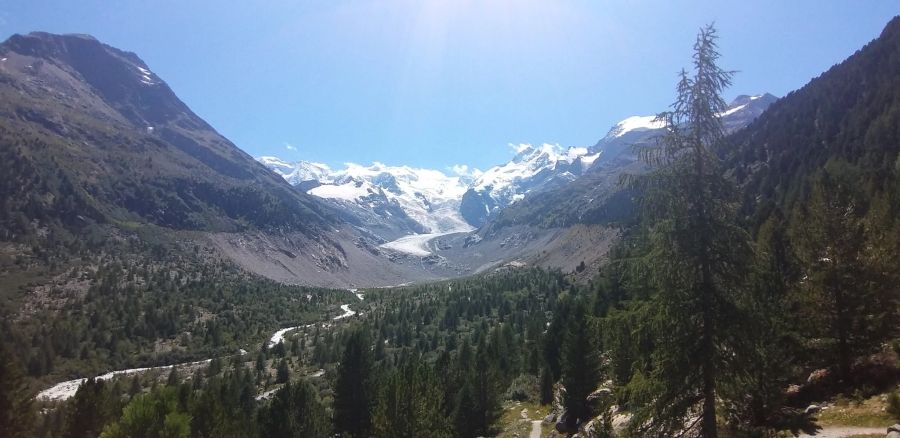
(849, 113)
(597, 197)
(92, 135)
(102, 156)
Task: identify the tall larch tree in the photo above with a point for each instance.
(695, 258)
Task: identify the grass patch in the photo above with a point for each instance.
(867, 413)
(514, 424)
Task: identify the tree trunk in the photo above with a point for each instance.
(708, 422)
(842, 330)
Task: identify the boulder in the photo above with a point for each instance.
(893, 431)
(567, 424)
(817, 376)
(598, 394)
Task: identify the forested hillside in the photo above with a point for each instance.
(446, 356)
(849, 114)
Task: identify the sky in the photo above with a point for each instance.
(448, 82)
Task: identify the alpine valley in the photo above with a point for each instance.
(115, 151)
(727, 267)
(458, 224)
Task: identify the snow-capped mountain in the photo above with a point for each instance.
(744, 109)
(615, 147)
(597, 196)
(298, 173)
(546, 167)
(393, 201)
(635, 124)
(388, 200)
(533, 168)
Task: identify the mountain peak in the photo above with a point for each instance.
(48, 45)
(49, 36)
(635, 123)
(120, 78)
(765, 99)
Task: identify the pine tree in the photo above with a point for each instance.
(353, 400)
(580, 366)
(295, 411)
(852, 302)
(486, 393)
(151, 415)
(410, 403)
(754, 400)
(695, 257)
(86, 414)
(16, 414)
(546, 386)
(260, 363)
(282, 373)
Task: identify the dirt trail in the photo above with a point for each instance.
(845, 431)
(535, 429)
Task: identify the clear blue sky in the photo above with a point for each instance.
(437, 83)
